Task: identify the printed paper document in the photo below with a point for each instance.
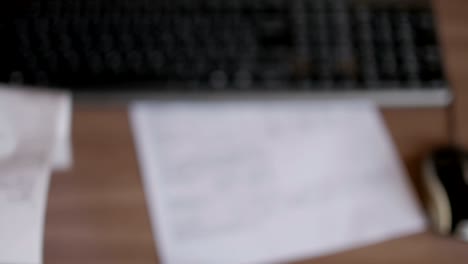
(237, 182)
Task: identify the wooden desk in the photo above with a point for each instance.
(97, 212)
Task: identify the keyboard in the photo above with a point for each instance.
(384, 50)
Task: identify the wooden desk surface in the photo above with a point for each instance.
(97, 212)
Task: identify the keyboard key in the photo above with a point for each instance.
(223, 45)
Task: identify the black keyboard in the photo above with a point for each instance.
(188, 46)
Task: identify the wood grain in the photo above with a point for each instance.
(97, 211)
(454, 38)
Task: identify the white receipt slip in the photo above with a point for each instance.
(33, 140)
(269, 181)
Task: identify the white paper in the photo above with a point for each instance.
(261, 182)
(62, 157)
(30, 121)
(18, 96)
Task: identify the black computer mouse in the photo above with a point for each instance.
(445, 177)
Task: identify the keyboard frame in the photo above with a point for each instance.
(434, 97)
